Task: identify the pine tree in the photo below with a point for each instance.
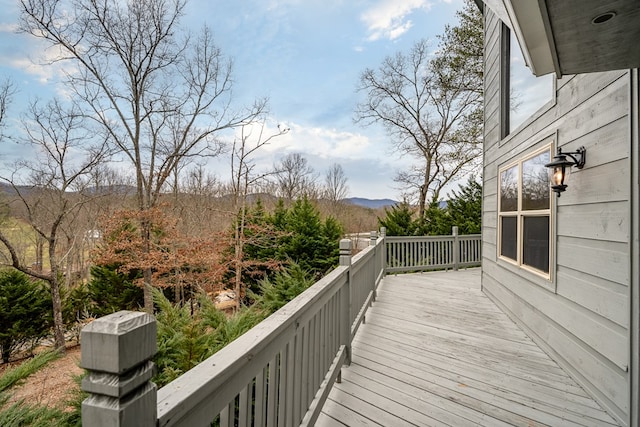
(398, 221)
(111, 291)
(308, 240)
(465, 208)
(282, 288)
(25, 311)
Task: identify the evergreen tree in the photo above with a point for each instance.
(282, 288)
(25, 311)
(279, 218)
(308, 240)
(111, 291)
(290, 235)
(190, 333)
(465, 208)
(437, 221)
(399, 221)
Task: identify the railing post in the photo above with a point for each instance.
(456, 247)
(374, 240)
(345, 314)
(117, 351)
(383, 234)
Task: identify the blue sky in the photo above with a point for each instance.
(304, 55)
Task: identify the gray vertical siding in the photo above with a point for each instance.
(635, 249)
(582, 315)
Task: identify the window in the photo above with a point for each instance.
(523, 94)
(524, 212)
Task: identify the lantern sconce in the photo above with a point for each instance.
(561, 166)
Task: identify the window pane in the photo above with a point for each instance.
(527, 93)
(535, 242)
(509, 237)
(509, 190)
(535, 183)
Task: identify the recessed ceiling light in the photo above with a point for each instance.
(602, 18)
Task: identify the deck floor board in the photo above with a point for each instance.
(435, 351)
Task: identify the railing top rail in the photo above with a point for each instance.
(365, 252)
(427, 238)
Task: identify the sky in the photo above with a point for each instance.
(304, 55)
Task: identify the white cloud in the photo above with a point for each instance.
(323, 142)
(31, 56)
(388, 18)
(8, 27)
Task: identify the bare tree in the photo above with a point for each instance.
(162, 94)
(295, 177)
(7, 90)
(335, 184)
(424, 119)
(245, 176)
(51, 190)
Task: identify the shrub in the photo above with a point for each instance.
(189, 333)
(398, 221)
(111, 291)
(285, 286)
(25, 311)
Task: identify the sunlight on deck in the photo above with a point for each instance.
(435, 351)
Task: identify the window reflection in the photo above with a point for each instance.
(509, 237)
(509, 189)
(535, 182)
(524, 212)
(535, 242)
(527, 93)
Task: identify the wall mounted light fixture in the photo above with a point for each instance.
(561, 166)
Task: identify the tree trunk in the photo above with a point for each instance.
(238, 277)
(39, 253)
(422, 201)
(147, 291)
(147, 273)
(58, 323)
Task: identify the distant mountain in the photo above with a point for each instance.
(370, 203)
(10, 191)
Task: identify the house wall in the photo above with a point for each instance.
(581, 316)
(635, 250)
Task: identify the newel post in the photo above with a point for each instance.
(116, 351)
(374, 238)
(383, 234)
(376, 267)
(345, 303)
(456, 247)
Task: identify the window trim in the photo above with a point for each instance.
(520, 214)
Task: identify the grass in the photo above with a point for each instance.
(23, 238)
(20, 413)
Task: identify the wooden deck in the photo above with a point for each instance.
(435, 351)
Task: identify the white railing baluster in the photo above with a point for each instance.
(260, 398)
(243, 416)
(421, 253)
(272, 402)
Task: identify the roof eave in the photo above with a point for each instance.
(531, 25)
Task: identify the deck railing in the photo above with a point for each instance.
(279, 373)
(432, 252)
